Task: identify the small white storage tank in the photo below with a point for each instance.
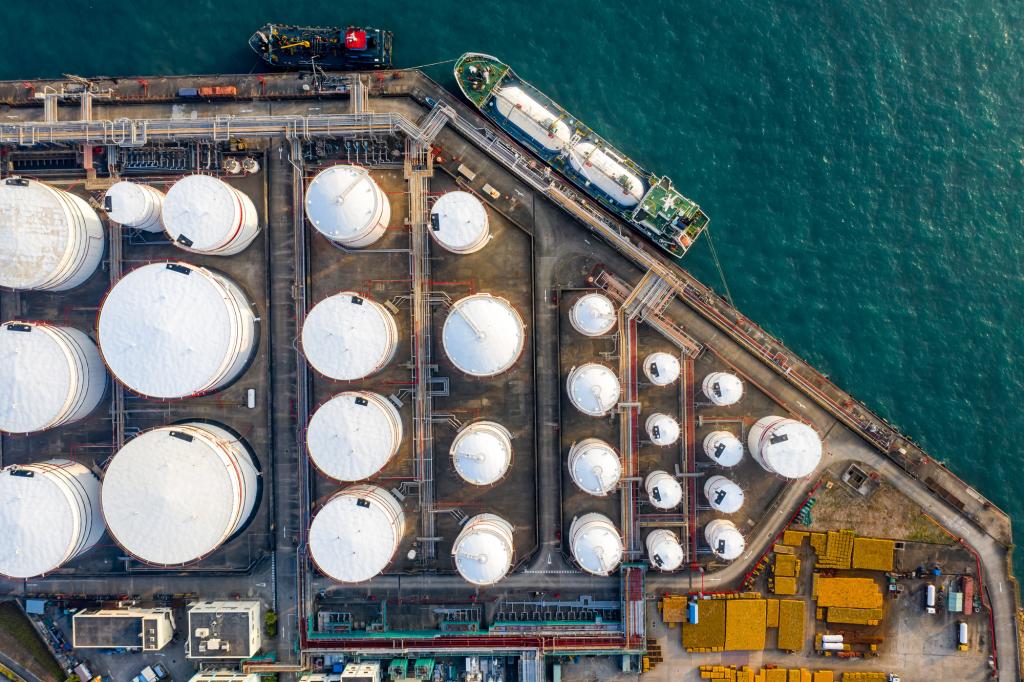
(594, 466)
(722, 388)
(608, 173)
(50, 515)
(348, 337)
(662, 429)
(723, 448)
(663, 490)
(356, 533)
(661, 368)
(345, 205)
(785, 446)
(135, 205)
(174, 494)
(175, 330)
(725, 539)
(482, 452)
(50, 240)
(353, 435)
(203, 214)
(458, 223)
(596, 544)
(483, 335)
(723, 495)
(524, 112)
(593, 315)
(593, 389)
(484, 549)
(663, 550)
(49, 376)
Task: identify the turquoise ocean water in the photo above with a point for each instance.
(862, 162)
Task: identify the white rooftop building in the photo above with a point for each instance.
(482, 452)
(131, 628)
(458, 222)
(483, 335)
(224, 676)
(354, 536)
(524, 112)
(348, 337)
(595, 543)
(483, 550)
(784, 446)
(224, 629)
(723, 495)
(725, 539)
(135, 205)
(593, 314)
(354, 435)
(722, 388)
(663, 550)
(662, 429)
(594, 466)
(661, 368)
(593, 389)
(345, 205)
(663, 490)
(203, 214)
(723, 448)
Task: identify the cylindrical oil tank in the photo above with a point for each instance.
(353, 435)
(356, 533)
(174, 494)
(663, 550)
(204, 214)
(175, 330)
(345, 205)
(50, 515)
(725, 539)
(661, 368)
(662, 429)
(608, 173)
(723, 495)
(348, 337)
(49, 376)
(135, 205)
(483, 335)
(484, 549)
(595, 543)
(458, 223)
(663, 490)
(722, 388)
(544, 126)
(593, 389)
(50, 240)
(482, 452)
(593, 314)
(594, 466)
(784, 446)
(723, 448)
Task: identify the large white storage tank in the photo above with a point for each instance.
(174, 494)
(593, 315)
(356, 533)
(661, 368)
(785, 446)
(540, 123)
(135, 205)
(175, 330)
(50, 240)
(663, 550)
(595, 543)
(482, 452)
(203, 214)
(345, 205)
(663, 490)
(50, 515)
(608, 173)
(662, 429)
(483, 335)
(484, 549)
(458, 223)
(594, 466)
(723, 495)
(348, 337)
(49, 376)
(593, 389)
(353, 435)
(722, 388)
(723, 448)
(725, 539)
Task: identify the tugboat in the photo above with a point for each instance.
(331, 48)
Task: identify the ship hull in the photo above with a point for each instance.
(331, 48)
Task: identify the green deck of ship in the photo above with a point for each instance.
(663, 203)
(478, 91)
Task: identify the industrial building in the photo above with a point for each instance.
(132, 628)
(218, 629)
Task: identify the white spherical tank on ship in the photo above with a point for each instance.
(348, 337)
(663, 550)
(593, 315)
(135, 205)
(484, 549)
(346, 205)
(354, 536)
(204, 214)
(482, 452)
(784, 446)
(354, 435)
(595, 543)
(458, 223)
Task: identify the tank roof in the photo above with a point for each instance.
(593, 314)
(789, 448)
(594, 389)
(203, 210)
(129, 202)
(347, 337)
(459, 221)
(723, 495)
(663, 550)
(661, 368)
(722, 388)
(352, 539)
(664, 490)
(723, 448)
(353, 435)
(483, 555)
(596, 544)
(36, 234)
(483, 335)
(662, 429)
(482, 452)
(343, 202)
(594, 466)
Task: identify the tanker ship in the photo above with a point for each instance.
(333, 48)
(648, 202)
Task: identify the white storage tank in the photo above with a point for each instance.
(483, 335)
(545, 127)
(608, 173)
(49, 376)
(723, 495)
(722, 388)
(663, 550)
(50, 240)
(593, 389)
(135, 205)
(593, 315)
(663, 490)
(662, 429)
(458, 223)
(50, 515)
(661, 368)
(482, 452)
(785, 446)
(354, 536)
(725, 539)
(353, 435)
(594, 466)
(345, 205)
(595, 543)
(175, 330)
(348, 337)
(484, 549)
(723, 448)
(204, 214)
(174, 494)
